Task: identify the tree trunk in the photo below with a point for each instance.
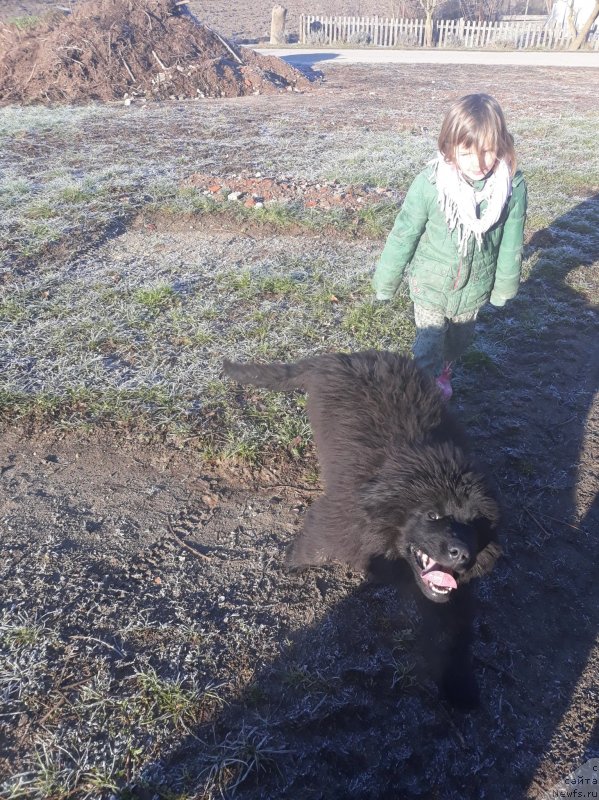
(571, 20)
(584, 31)
(428, 29)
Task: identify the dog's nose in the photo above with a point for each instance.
(458, 551)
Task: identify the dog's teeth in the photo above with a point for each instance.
(439, 590)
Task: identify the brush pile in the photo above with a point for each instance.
(108, 50)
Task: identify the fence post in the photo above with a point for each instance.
(277, 25)
(449, 28)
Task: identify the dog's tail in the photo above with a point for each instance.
(278, 376)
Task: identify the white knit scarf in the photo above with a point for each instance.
(460, 201)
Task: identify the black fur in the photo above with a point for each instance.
(399, 483)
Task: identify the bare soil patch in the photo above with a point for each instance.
(250, 22)
(243, 21)
(258, 189)
(154, 49)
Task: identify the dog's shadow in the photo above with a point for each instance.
(349, 708)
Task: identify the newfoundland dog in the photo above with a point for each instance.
(400, 487)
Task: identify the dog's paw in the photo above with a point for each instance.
(295, 563)
(460, 689)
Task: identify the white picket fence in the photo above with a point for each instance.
(448, 33)
(517, 35)
(377, 31)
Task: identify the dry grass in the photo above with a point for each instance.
(97, 328)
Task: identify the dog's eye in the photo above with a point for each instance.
(433, 515)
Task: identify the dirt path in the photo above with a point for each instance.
(302, 56)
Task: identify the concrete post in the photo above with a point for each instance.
(277, 26)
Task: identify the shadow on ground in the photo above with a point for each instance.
(306, 61)
(349, 707)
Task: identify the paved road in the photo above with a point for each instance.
(519, 58)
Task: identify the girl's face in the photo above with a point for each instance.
(467, 161)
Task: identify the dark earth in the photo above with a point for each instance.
(110, 49)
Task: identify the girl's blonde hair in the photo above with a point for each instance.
(476, 121)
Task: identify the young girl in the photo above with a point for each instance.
(460, 230)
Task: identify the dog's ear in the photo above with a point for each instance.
(381, 501)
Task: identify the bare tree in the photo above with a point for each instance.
(584, 31)
(480, 10)
(571, 18)
(429, 7)
(404, 8)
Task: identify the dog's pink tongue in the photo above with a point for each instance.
(437, 577)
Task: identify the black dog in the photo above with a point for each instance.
(399, 485)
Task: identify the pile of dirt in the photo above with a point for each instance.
(255, 189)
(113, 49)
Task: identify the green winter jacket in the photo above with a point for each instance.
(439, 278)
